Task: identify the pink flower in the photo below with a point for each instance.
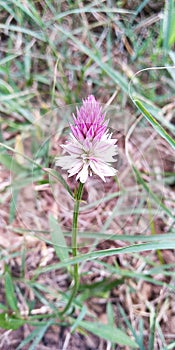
(90, 148)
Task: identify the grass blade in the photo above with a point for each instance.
(58, 239)
(137, 248)
(161, 131)
(38, 334)
(10, 322)
(56, 175)
(168, 24)
(112, 334)
(152, 194)
(10, 292)
(113, 74)
(152, 331)
(41, 331)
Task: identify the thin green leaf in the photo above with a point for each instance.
(41, 331)
(102, 236)
(79, 318)
(110, 314)
(19, 29)
(137, 275)
(3, 307)
(8, 9)
(171, 346)
(102, 287)
(140, 8)
(89, 9)
(152, 194)
(58, 239)
(56, 175)
(37, 335)
(10, 292)
(8, 58)
(168, 24)
(160, 130)
(113, 74)
(11, 164)
(13, 202)
(9, 322)
(29, 338)
(137, 248)
(29, 10)
(129, 325)
(152, 331)
(26, 114)
(112, 334)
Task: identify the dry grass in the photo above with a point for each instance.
(47, 65)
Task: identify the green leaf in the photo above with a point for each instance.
(14, 28)
(168, 24)
(95, 56)
(136, 248)
(9, 57)
(102, 236)
(89, 9)
(41, 331)
(160, 130)
(110, 314)
(139, 338)
(10, 322)
(107, 332)
(56, 175)
(37, 335)
(58, 239)
(101, 287)
(12, 209)
(80, 317)
(3, 307)
(29, 10)
(152, 330)
(10, 292)
(11, 164)
(29, 338)
(152, 194)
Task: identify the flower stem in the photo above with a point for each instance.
(74, 245)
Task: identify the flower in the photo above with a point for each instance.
(90, 148)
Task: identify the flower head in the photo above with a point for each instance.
(90, 147)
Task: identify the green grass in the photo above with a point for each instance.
(53, 54)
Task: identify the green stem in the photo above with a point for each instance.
(74, 246)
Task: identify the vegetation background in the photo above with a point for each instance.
(53, 54)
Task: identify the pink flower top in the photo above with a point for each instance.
(90, 148)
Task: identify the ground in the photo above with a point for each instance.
(53, 54)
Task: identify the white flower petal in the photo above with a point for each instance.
(83, 174)
(72, 148)
(64, 161)
(102, 169)
(105, 152)
(107, 169)
(75, 168)
(96, 169)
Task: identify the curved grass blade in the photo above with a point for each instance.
(95, 56)
(51, 172)
(58, 239)
(160, 130)
(10, 293)
(168, 24)
(112, 334)
(56, 175)
(136, 248)
(10, 322)
(152, 194)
